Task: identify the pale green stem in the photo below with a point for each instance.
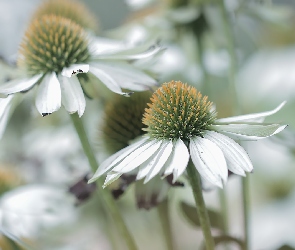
(195, 182)
(163, 211)
(223, 204)
(206, 86)
(233, 59)
(224, 213)
(108, 201)
(246, 199)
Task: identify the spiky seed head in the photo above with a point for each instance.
(123, 120)
(178, 111)
(70, 9)
(52, 43)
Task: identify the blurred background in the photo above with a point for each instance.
(41, 158)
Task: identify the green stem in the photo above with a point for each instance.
(163, 211)
(109, 203)
(223, 206)
(195, 182)
(233, 59)
(206, 86)
(246, 199)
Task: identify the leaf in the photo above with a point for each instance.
(190, 213)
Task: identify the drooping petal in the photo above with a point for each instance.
(250, 131)
(134, 53)
(18, 85)
(48, 97)
(208, 160)
(177, 161)
(159, 160)
(75, 69)
(107, 80)
(256, 117)
(73, 97)
(116, 158)
(111, 177)
(138, 156)
(5, 106)
(126, 76)
(236, 157)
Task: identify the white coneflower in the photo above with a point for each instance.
(181, 124)
(55, 49)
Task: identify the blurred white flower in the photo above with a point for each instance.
(30, 210)
(270, 73)
(52, 155)
(178, 118)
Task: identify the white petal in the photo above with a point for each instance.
(256, 117)
(127, 76)
(249, 131)
(72, 95)
(15, 86)
(208, 160)
(138, 156)
(111, 177)
(107, 80)
(75, 69)
(236, 157)
(177, 161)
(134, 53)
(105, 46)
(48, 97)
(5, 106)
(159, 160)
(115, 158)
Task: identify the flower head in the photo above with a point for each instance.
(70, 9)
(122, 120)
(52, 43)
(182, 126)
(178, 111)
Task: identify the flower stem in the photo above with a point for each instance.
(163, 211)
(223, 206)
(109, 203)
(195, 182)
(233, 59)
(246, 199)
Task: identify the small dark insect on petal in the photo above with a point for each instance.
(74, 72)
(45, 114)
(128, 94)
(82, 190)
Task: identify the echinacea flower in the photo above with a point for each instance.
(55, 49)
(182, 125)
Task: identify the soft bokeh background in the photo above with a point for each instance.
(40, 158)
